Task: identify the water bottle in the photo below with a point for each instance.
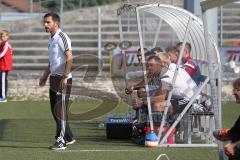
(101, 125)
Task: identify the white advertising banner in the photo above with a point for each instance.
(231, 58)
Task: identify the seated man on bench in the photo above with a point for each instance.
(158, 90)
(184, 86)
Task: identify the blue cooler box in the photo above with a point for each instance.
(118, 127)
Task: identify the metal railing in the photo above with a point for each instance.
(5, 17)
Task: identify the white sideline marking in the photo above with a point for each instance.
(102, 150)
(162, 155)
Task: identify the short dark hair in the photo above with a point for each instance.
(172, 49)
(149, 53)
(55, 16)
(187, 46)
(156, 58)
(157, 49)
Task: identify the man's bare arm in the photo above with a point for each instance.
(69, 62)
(67, 70)
(44, 77)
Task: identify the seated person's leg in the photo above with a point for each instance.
(143, 114)
(178, 105)
(142, 111)
(139, 127)
(158, 110)
(157, 119)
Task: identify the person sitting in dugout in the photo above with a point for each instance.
(184, 86)
(158, 90)
(160, 75)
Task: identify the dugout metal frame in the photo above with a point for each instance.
(188, 28)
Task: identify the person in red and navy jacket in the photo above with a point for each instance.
(189, 64)
(5, 64)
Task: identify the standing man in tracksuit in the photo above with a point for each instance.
(59, 69)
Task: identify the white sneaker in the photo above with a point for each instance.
(3, 100)
(72, 141)
(58, 146)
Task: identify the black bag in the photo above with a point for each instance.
(118, 128)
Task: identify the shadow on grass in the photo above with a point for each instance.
(22, 147)
(38, 133)
(3, 123)
(26, 130)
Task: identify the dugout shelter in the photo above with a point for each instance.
(151, 22)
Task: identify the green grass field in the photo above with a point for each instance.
(27, 130)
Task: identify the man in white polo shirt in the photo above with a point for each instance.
(184, 87)
(59, 69)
